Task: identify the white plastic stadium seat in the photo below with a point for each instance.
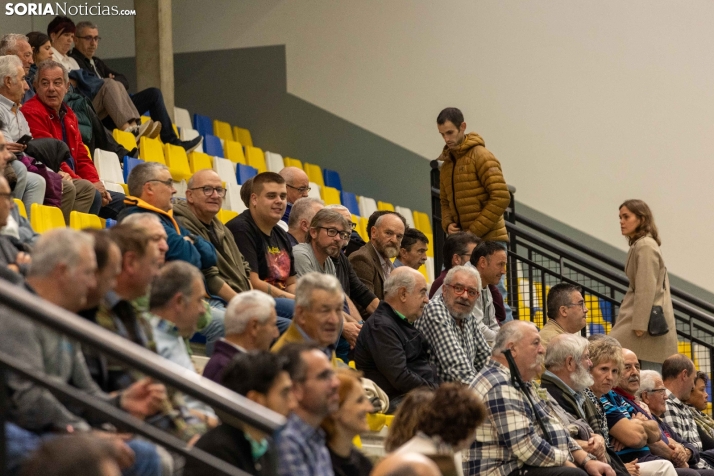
(274, 162)
(180, 189)
(314, 191)
(188, 134)
(232, 200)
(226, 170)
(182, 118)
(430, 270)
(113, 187)
(108, 166)
(367, 206)
(406, 213)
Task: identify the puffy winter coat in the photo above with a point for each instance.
(474, 194)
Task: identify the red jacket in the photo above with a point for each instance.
(45, 122)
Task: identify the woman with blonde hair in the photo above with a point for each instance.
(349, 421)
(645, 323)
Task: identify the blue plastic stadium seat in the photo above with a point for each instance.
(203, 124)
(244, 172)
(349, 200)
(212, 145)
(606, 309)
(332, 179)
(129, 164)
(596, 329)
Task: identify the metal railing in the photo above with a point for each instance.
(540, 258)
(22, 303)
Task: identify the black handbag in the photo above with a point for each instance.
(658, 325)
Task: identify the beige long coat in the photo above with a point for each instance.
(649, 286)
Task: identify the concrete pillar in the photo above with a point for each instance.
(154, 49)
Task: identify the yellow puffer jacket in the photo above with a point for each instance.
(473, 192)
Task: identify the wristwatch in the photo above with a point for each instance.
(589, 457)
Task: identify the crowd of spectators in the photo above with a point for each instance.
(286, 296)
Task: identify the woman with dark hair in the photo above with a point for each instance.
(698, 402)
(349, 421)
(645, 323)
(448, 423)
(406, 418)
(41, 46)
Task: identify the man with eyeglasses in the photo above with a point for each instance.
(327, 231)
(566, 311)
(297, 185)
(86, 42)
(372, 262)
(458, 348)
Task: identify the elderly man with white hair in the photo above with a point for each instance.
(30, 187)
(521, 435)
(250, 323)
(458, 349)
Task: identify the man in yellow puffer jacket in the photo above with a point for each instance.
(473, 192)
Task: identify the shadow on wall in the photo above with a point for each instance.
(248, 87)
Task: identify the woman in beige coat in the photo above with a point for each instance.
(649, 286)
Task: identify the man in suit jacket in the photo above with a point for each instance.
(372, 262)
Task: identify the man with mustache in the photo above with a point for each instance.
(521, 435)
(458, 349)
(372, 262)
(390, 350)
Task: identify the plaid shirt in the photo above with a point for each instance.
(458, 352)
(302, 450)
(678, 416)
(510, 437)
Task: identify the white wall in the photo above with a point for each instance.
(585, 103)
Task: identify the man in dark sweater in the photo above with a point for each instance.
(263, 378)
(389, 350)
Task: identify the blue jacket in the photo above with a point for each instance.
(200, 253)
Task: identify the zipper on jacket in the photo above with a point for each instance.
(453, 195)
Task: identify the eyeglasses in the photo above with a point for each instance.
(8, 195)
(90, 38)
(301, 189)
(459, 289)
(168, 182)
(577, 304)
(208, 190)
(332, 232)
(663, 389)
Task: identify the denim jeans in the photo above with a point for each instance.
(111, 209)
(502, 288)
(30, 188)
(216, 329)
(151, 99)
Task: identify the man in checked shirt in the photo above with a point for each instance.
(520, 435)
(458, 349)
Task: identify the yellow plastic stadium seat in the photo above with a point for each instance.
(145, 119)
(423, 223)
(290, 162)
(331, 196)
(256, 159)
(384, 206)
(79, 221)
(222, 130)
(20, 207)
(176, 131)
(243, 136)
(352, 365)
(234, 152)
(430, 247)
(45, 218)
(376, 421)
(388, 419)
(199, 161)
(126, 188)
(226, 215)
(151, 150)
(125, 139)
(314, 173)
(362, 228)
(357, 441)
(177, 162)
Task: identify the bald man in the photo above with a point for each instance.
(402, 464)
(298, 186)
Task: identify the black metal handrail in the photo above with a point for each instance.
(685, 296)
(141, 359)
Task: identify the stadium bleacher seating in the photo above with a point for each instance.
(350, 201)
(290, 162)
(20, 207)
(203, 124)
(212, 145)
(151, 150)
(199, 161)
(222, 130)
(43, 218)
(314, 173)
(79, 221)
(274, 161)
(332, 179)
(244, 172)
(125, 139)
(234, 152)
(243, 136)
(255, 158)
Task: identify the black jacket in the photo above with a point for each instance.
(104, 70)
(230, 444)
(393, 353)
(351, 284)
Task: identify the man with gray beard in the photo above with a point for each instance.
(372, 262)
